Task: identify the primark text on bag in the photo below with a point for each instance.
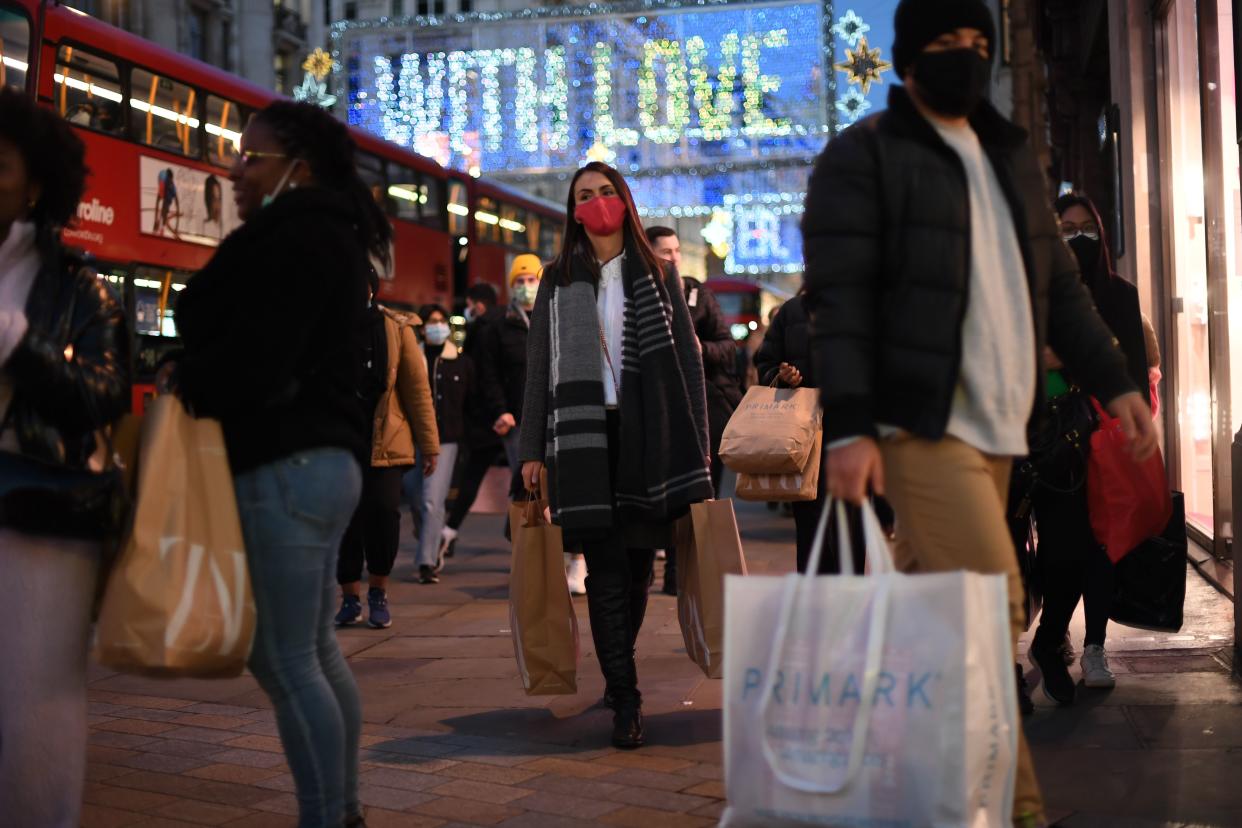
(869, 700)
(772, 431)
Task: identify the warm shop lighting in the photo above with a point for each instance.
(513, 226)
(487, 218)
(458, 209)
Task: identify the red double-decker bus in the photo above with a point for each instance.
(161, 133)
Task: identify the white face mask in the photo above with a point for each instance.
(437, 333)
(280, 188)
(525, 294)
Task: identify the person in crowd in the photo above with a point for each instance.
(481, 446)
(719, 364)
(396, 400)
(64, 377)
(935, 280)
(452, 384)
(784, 360)
(284, 386)
(1070, 564)
(615, 376)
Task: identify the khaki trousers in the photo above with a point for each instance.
(950, 500)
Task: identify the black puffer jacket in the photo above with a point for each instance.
(273, 328)
(887, 244)
(501, 363)
(62, 397)
(453, 381)
(787, 340)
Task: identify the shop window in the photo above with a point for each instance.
(14, 49)
(487, 221)
(88, 90)
(224, 127)
(163, 113)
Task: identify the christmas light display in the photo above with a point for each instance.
(714, 109)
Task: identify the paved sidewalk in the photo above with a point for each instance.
(450, 739)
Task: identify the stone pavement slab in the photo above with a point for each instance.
(451, 740)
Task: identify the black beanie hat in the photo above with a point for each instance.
(919, 22)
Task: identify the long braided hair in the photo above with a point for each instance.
(310, 133)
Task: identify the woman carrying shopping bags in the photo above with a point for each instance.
(1070, 564)
(614, 381)
(273, 329)
(64, 357)
(452, 383)
(396, 400)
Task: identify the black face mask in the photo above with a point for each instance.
(952, 82)
(1087, 251)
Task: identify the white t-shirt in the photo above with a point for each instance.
(19, 263)
(996, 386)
(611, 305)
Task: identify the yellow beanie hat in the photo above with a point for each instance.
(525, 264)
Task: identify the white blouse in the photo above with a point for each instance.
(610, 302)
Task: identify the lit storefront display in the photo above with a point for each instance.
(714, 110)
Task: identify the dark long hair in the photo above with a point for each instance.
(1104, 267)
(576, 245)
(310, 133)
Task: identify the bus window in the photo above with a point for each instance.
(433, 209)
(88, 90)
(371, 170)
(14, 49)
(164, 112)
(513, 229)
(224, 128)
(487, 220)
(407, 191)
(548, 244)
(155, 299)
(458, 211)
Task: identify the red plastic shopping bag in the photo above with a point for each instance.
(1128, 502)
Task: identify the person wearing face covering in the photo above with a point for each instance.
(1070, 565)
(452, 384)
(616, 409)
(936, 275)
(396, 399)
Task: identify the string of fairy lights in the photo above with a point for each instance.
(698, 100)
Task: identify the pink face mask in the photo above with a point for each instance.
(602, 215)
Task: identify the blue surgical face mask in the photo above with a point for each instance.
(280, 188)
(469, 314)
(437, 333)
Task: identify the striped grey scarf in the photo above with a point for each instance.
(663, 465)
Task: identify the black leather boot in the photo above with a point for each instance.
(627, 728)
(609, 603)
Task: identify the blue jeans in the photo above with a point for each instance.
(293, 514)
(427, 499)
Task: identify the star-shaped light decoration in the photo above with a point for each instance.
(852, 105)
(313, 91)
(863, 65)
(719, 232)
(319, 64)
(850, 28)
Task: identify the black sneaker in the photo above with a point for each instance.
(351, 611)
(1025, 706)
(1057, 681)
(427, 575)
(627, 728)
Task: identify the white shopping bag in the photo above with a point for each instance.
(877, 701)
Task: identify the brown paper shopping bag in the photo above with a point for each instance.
(541, 612)
(772, 431)
(803, 485)
(708, 549)
(178, 602)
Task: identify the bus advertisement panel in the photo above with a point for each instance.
(184, 203)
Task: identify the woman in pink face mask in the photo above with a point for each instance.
(614, 382)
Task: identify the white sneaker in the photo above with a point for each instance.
(447, 537)
(1095, 672)
(577, 575)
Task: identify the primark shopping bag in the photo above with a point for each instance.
(803, 485)
(708, 549)
(884, 699)
(178, 602)
(541, 611)
(772, 431)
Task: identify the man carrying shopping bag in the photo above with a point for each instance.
(936, 278)
(844, 695)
